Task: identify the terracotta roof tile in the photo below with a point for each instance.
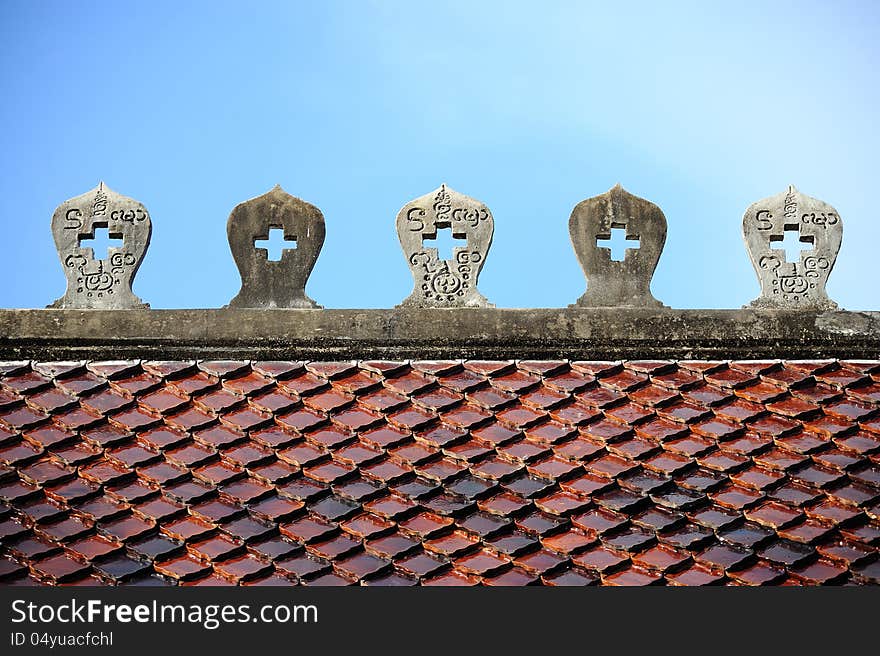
(440, 473)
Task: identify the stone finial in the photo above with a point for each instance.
(795, 279)
(616, 279)
(97, 280)
(267, 279)
(445, 282)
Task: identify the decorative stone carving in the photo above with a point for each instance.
(439, 282)
(95, 282)
(799, 283)
(281, 283)
(625, 282)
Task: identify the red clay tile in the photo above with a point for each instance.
(868, 534)
(569, 542)
(544, 398)
(841, 377)
(677, 379)
(736, 497)
(339, 546)
(601, 559)
(572, 577)
(555, 468)
(158, 508)
(789, 376)
(541, 562)
(779, 459)
(817, 476)
(411, 382)
(723, 461)
(829, 426)
(599, 397)
(867, 393)
(794, 407)
(795, 494)
(470, 451)
(392, 507)
(357, 382)
(574, 414)
(761, 392)
(482, 563)
(562, 503)
(411, 418)
(276, 509)
(47, 401)
(833, 512)
(329, 401)
(610, 466)
(362, 566)
(760, 573)
(127, 528)
(577, 450)
(504, 504)
(22, 417)
(696, 575)
(757, 478)
(246, 490)
(516, 382)
(356, 418)
(861, 442)
(94, 547)
(438, 399)
(461, 381)
(634, 576)
(707, 395)
(441, 470)
(185, 529)
(452, 578)
(775, 515)
(821, 572)
(724, 557)
(730, 378)
(683, 412)
(847, 554)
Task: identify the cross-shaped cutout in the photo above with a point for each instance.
(618, 245)
(275, 245)
(444, 241)
(792, 243)
(100, 241)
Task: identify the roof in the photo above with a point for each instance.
(555, 472)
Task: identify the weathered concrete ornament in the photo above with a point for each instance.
(439, 282)
(799, 283)
(281, 283)
(95, 282)
(618, 282)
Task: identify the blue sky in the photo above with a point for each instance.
(359, 107)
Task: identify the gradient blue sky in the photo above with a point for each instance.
(358, 107)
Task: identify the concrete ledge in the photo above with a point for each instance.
(434, 334)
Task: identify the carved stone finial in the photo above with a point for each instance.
(98, 280)
(267, 281)
(445, 282)
(793, 280)
(614, 279)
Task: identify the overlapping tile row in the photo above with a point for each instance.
(440, 473)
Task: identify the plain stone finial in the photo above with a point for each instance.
(793, 281)
(626, 281)
(445, 282)
(101, 280)
(267, 283)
